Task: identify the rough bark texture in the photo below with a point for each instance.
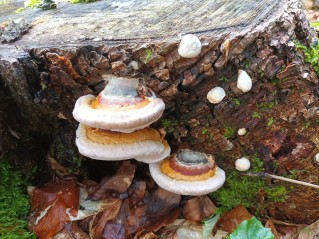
(61, 59)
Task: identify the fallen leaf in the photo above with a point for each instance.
(198, 208)
(209, 224)
(230, 220)
(118, 183)
(71, 231)
(270, 224)
(251, 229)
(310, 232)
(163, 208)
(51, 206)
(109, 213)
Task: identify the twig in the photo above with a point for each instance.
(267, 175)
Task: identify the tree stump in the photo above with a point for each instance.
(50, 58)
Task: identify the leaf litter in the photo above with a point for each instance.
(130, 206)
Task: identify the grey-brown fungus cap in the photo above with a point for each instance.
(119, 107)
(188, 173)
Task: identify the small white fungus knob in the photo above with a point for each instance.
(317, 157)
(242, 131)
(216, 95)
(242, 164)
(190, 46)
(244, 82)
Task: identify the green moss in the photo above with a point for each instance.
(265, 106)
(311, 55)
(276, 194)
(169, 125)
(256, 115)
(240, 189)
(270, 121)
(236, 101)
(228, 132)
(224, 79)
(149, 54)
(14, 204)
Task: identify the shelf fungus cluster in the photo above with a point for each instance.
(114, 125)
(188, 173)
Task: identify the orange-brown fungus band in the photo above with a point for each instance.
(108, 137)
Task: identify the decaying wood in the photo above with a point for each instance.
(66, 52)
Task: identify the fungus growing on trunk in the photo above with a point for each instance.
(121, 107)
(244, 82)
(190, 46)
(188, 173)
(216, 95)
(113, 125)
(146, 145)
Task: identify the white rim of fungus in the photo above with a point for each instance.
(121, 121)
(190, 46)
(242, 164)
(242, 131)
(147, 151)
(182, 187)
(317, 157)
(216, 95)
(244, 82)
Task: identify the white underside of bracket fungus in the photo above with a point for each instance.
(121, 121)
(242, 164)
(147, 151)
(190, 46)
(216, 95)
(182, 187)
(244, 82)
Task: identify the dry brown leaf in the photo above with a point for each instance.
(110, 212)
(118, 183)
(230, 220)
(71, 231)
(52, 206)
(270, 224)
(163, 208)
(198, 208)
(310, 232)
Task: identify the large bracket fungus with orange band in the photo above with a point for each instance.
(146, 145)
(119, 107)
(113, 125)
(188, 173)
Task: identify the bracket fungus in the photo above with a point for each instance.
(113, 125)
(244, 82)
(190, 46)
(146, 145)
(188, 173)
(121, 107)
(216, 95)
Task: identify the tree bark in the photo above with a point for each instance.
(66, 52)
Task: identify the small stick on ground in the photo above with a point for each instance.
(267, 175)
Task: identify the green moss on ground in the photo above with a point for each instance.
(14, 204)
(243, 190)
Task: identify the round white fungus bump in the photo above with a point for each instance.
(317, 157)
(190, 46)
(244, 82)
(216, 95)
(242, 131)
(242, 164)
